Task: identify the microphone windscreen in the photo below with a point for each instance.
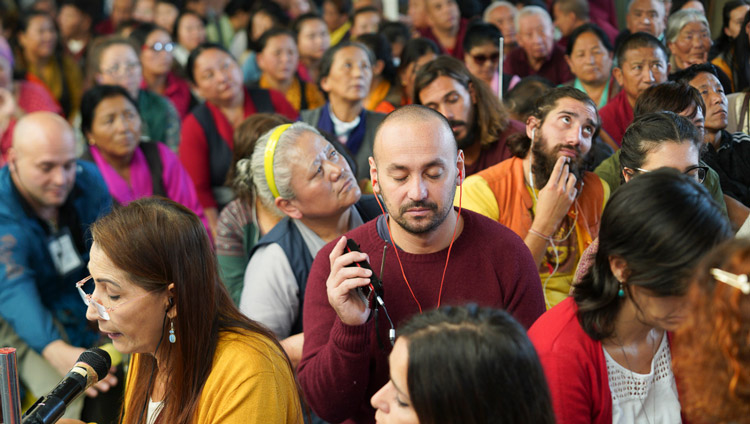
(98, 359)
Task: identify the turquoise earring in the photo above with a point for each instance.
(620, 293)
(172, 337)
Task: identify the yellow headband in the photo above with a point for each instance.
(268, 157)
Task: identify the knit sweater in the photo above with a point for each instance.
(343, 366)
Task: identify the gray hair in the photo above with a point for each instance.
(494, 5)
(679, 19)
(531, 10)
(281, 164)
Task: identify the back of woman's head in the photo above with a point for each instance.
(93, 96)
(281, 166)
(660, 223)
(712, 348)
(247, 133)
(474, 365)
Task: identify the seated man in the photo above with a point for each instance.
(445, 26)
(49, 201)
(647, 16)
(570, 14)
(502, 15)
(415, 167)
(641, 63)
(479, 122)
(541, 194)
(538, 54)
(728, 154)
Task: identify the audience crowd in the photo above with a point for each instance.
(420, 211)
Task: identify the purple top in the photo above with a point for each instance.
(176, 180)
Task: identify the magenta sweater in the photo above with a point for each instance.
(343, 366)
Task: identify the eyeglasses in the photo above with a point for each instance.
(698, 173)
(103, 308)
(158, 46)
(737, 281)
(119, 68)
(479, 59)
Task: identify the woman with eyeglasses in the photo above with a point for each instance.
(465, 365)
(195, 358)
(589, 56)
(156, 49)
(711, 348)
(112, 126)
(606, 351)
(114, 61)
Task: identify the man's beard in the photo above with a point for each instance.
(422, 226)
(469, 139)
(544, 161)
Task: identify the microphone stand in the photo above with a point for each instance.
(9, 390)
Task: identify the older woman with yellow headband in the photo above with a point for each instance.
(295, 170)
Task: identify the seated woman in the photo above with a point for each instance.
(189, 33)
(156, 47)
(131, 169)
(385, 94)
(265, 15)
(313, 40)
(207, 132)
(722, 51)
(18, 96)
(245, 219)
(295, 170)
(194, 357)
(41, 56)
(711, 348)
(488, 371)
(688, 38)
(114, 61)
(345, 76)
(605, 351)
(589, 55)
(278, 59)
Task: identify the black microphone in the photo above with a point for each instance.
(91, 367)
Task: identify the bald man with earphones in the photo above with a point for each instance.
(435, 254)
(547, 196)
(49, 201)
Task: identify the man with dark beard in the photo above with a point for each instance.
(545, 195)
(434, 256)
(479, 121)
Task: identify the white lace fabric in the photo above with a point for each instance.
(644, 398)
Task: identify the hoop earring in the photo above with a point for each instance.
(172, 337)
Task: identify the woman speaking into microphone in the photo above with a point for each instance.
(194, 357)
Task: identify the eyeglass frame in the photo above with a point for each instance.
(128, 67)
(102, 310)
(159, 47)
(685, 173)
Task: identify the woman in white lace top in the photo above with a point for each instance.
(606, 351)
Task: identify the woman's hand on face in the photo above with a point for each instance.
(342, 284)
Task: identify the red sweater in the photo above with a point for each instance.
(498, 151)
(194, 149)
(343, 366)
(616, 115)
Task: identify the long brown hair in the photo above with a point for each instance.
(712, 348)
(157, 242)
(491, 117)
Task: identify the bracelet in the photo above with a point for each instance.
(540, 235)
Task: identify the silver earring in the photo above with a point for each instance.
(172, 337)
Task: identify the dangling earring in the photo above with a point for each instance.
(92, 142)
(172, 337)
(620, 293)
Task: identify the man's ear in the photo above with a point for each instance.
(532, 123)
(374, 175)
(12, 157)
(617, 73)
(288, 207)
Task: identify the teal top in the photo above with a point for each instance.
(605, 94)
